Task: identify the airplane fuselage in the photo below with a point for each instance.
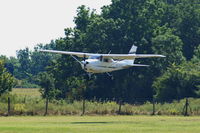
(97, 66)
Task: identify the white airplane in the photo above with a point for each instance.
(104, 63)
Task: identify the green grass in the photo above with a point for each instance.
(100, 124)
(94, 124)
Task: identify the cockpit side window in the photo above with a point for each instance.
(101, 58)
(94, 57)
(107, 60)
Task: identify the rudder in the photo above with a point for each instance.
(133, 50)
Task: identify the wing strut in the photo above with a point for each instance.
(76, 59)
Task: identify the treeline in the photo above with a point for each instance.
(168, 27)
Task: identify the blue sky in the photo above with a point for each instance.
(25, 23)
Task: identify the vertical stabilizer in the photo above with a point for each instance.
(133, 50)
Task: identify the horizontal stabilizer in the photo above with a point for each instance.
(140, 65)
(148, 55)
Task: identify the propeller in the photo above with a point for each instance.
(84, 64)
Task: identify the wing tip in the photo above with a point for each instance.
(162, 56)
(42, 50)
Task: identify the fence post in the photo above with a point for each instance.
(46, 106)
(8, 105)
(24, 100)
(83, 108)
(185, 108)
(154, 107)
(120, 106)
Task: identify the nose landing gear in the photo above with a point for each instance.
(111, 76)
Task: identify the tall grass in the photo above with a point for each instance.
(29, 102)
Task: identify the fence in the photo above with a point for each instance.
(36, 106)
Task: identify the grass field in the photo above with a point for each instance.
(100, 124)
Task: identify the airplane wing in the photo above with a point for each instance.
(78, 54)
(130, 56)
(113, 56)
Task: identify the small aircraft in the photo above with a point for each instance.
(105, 63)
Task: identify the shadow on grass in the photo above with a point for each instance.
(111, 122)
(91, 122)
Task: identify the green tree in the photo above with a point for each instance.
(119, 26)
(23, 56)
(179, 81)
(79, 88)
(7, 81)
(189, 27)
(168, 44)
(39, 61)
(155, 26)
(196, 56)
(48, 91)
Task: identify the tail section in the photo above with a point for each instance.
(130, 62)
(133, 50)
